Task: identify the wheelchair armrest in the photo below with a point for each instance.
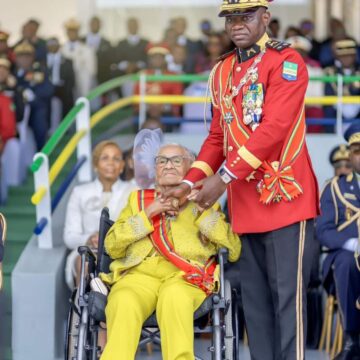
(223, 255)
(85, 250)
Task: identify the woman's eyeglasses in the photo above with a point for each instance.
(176, 160)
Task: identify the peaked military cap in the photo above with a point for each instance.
(338, 153)
(352, 134)
(241, 7)
(72, 24)
(161, 49)
(24, 48)
(345, 47)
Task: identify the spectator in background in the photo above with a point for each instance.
(9, 149)
(315, 88)
(347, 65)
(5, 51)
(87, 200)
(307, 29)
(35, 89)
(170, 38)
(337, 32)
(340, 160)
(130, 53)
(156, 66)
(62, 76)
(102, 48)
(30, 34)
(206, 30)
(83, 58)
(206, 60)
(292, 31)
(192, 47)
(274, 28)
(7, 108)
(177, 59)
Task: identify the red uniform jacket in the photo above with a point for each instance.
(283, 101)
(7, 118)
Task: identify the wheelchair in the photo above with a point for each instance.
(216, 316)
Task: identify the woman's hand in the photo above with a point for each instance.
(93, 240)
(159, 206)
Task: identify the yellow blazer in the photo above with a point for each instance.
(196, 237)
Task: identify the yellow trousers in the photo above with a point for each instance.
(154, 285)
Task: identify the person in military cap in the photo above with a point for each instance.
(157, 65)
(346, 64)
(257, 143)
(83, 58)
(340, 160)
(30, 34)
(34, 89)
(338, 229)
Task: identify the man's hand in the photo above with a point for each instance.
(213, 187)
(179, 192)
(159, 206)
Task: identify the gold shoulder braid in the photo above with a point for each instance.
(352, 213)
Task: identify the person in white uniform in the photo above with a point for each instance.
(83, 58)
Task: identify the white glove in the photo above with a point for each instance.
(352, 245)
(29, 95)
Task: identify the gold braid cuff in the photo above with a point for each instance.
(203, 166)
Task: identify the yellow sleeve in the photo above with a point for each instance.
(132, 225)
(212, 224)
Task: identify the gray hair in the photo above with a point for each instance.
(188, 153)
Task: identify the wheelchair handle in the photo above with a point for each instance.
(85, 250)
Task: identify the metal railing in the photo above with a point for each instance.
(81, 140)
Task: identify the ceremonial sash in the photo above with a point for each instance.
(203, 277)
(278, 181)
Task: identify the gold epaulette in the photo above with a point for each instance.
(277, 45)
(227, 54)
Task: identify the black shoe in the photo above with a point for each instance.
(351, 350)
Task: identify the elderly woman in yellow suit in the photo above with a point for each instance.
(146, 276)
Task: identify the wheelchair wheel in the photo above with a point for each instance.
(72, 330)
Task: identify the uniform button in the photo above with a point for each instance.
(238, 69)
(230, 148)
(232, 165)
(238, 158)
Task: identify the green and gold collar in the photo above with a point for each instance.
(246, 54)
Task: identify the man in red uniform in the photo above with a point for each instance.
(258, 134)
(157, 65)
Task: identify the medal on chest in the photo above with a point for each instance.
(252, 103)
(253, 96)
